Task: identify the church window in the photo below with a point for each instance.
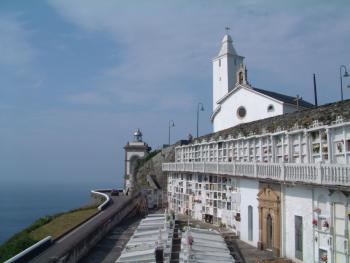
(240, 75)
(219, 62)
(235, 62)
(270, 108)
(241, 112)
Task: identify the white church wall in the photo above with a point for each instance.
(256, 107)
(249, 190)
(298, 202)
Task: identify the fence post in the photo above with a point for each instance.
(318, 173)
(255, 169)
(283, 172)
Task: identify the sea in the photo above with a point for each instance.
(22, 203)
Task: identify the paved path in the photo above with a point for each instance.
(240, 250)
(109, 248)
(252, 254)
(69, 240)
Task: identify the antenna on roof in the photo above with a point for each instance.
(227, 29)
(315, 90)
(297, 98)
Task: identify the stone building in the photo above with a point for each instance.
(281, 183)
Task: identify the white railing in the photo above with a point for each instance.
(104, 196)
(29, 252)
(318, 173)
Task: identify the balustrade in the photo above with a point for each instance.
(325, 174)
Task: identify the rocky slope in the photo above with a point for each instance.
(153, 168)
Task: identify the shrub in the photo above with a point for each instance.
(15, 245)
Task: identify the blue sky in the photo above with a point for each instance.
(78, 77)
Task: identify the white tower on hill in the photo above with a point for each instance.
(134, 151)
(225, 68)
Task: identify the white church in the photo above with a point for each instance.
(276, 169)
(235, 101)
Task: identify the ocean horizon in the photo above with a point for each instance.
(23, 203)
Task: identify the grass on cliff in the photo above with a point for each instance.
(53, 225)
(61, 224)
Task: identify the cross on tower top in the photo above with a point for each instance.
(227, 29)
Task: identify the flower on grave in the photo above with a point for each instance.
(238, 217)
(340, 146)
(325, 224)
(324, 258)
(314, 222)
(317, 210)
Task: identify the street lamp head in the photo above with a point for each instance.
(200, 104)
(346, 74)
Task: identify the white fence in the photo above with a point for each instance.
(31, 251)
(104, 196)
(318, 173)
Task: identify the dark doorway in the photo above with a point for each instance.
(250, 223)
(298, 237)
(269, 229)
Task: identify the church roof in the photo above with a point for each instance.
(303, 118)
(274, 95)
(285, 98)
(227, 47)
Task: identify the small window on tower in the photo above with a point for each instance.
(240, 76)
(219, 62)
(270, 108)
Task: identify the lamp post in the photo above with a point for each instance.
(346, 74)
(171, 124)
(199, 108)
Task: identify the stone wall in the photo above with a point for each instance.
(74, 253)
(153, 168)
(303, 118)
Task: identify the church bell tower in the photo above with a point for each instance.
(225, 67)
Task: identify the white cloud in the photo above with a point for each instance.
(14, 47)
(88, 98)
(166, 42)
(17, 55)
